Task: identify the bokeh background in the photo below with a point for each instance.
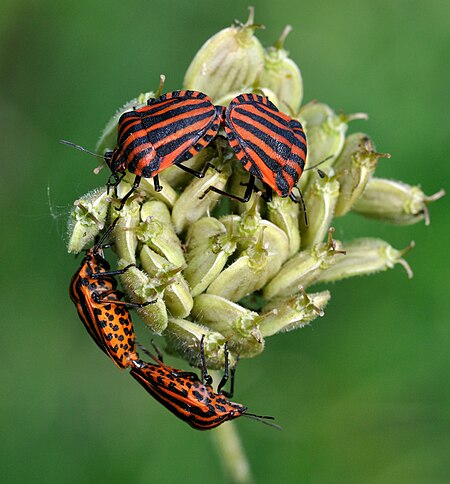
(363, 394)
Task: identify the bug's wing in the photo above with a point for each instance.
(261, 138)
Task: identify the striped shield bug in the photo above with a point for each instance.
(168, 130)
(105, 316)
(190, 398)
(270, 145)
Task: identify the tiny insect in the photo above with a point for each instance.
(105, 316)
(270, 145)
(168, 130)
(190, 398)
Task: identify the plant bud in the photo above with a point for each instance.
(177, 297)
(87, 219)
(183, 338)
(208, 248)
(284, 315)
(157, 232)
(256, 265)
(304, 268)
(395, 202)
(147, 187)
(365, 256)
(190, 207)
(282, 75)
(320, 200)
(353, 169)
(325, 131)
(228, 61)
(263, 91)
(285, 215)
(235, 322)
(140, 288)
(125, 229)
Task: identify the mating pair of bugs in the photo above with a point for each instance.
(107, 319)
(174, 127)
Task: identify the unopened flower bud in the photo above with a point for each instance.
(304, 268)
(353, 169)
(284, 315)
(365, 256)
(395, 202)
(325, 131)
(183, 338)
(125, 229)
(208, 248)
(87, 219)
(141, 288)
(255, 266)
(193, 204)
(235, 322)
(285, 215)
(157, 232)
(177, 297)
(228, 61)
(320, 200)
(282, 75)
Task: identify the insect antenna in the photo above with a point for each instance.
(263, 419)
(78, 147)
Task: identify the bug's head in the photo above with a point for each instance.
(114, 160)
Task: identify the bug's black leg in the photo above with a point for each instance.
(225, 377)
(102, 298)
(158, 351)
(112, 273)
(117, 179)
(198, 174)
(295, 199)
(135, 186)
(156, 184)
(206, 377)
(244, 199)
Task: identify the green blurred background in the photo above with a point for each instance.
(362, 394)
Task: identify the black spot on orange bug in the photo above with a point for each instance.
(93, 289)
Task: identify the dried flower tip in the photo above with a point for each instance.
(235, 322)
(193, 203)
(320, 199)
(282, 75)
(354, 167)
(256, 265)
(395, 202)
(285, 215)
(140, 288)
(208, 248)
(158, 233)
(304, 268)
(183, 338)
(284, 315)
(87, 219)
(177, 297)
(365, 256)
(228, 61)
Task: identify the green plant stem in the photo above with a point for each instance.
(230, 450)
(231, 453)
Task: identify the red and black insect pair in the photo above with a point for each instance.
(190, 398)
(174, 127)
(105, 316)
(93, 289)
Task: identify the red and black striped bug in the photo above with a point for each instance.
(270, 145)
(189, 398)
(167, 131)
(93, 289)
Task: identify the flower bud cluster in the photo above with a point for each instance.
(234, 272)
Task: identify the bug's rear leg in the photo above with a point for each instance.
(206, 377)
(244, 199)
(135, 186)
